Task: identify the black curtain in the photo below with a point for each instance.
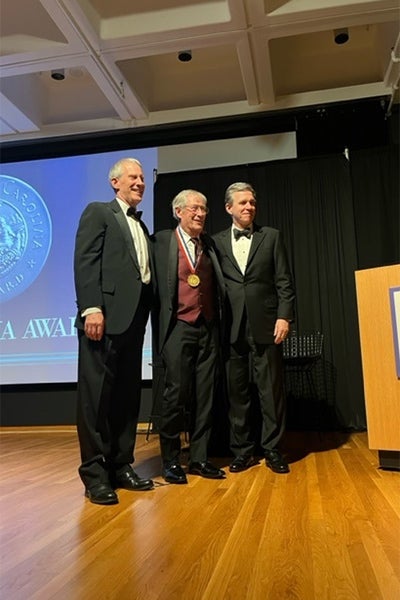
(333, 213)
(375, 182)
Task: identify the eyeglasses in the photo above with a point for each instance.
(194, 209)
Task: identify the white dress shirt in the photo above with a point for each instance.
(241, 249)
(190, 244)
(139, 239)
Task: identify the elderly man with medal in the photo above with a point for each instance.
(189, 290)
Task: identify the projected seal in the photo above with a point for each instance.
(25, 236)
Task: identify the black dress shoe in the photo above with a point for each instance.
(276, 462)
(102, 493)
(127, 479)
(206, 469)
(173, 473)
(241, 463)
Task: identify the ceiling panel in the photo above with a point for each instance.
(118, 62)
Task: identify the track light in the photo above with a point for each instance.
(58, 74)
(185, 55)
(341, 35)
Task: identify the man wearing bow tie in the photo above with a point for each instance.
(113, 290)
(190, 287)
(260, 305)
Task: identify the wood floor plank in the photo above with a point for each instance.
(329, 530)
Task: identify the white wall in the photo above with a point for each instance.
(221, 153)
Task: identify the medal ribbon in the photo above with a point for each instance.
(183, 245)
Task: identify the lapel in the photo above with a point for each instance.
(210, 252)
(172, 267)
(226, 244)
(126, 232)
(258, 236)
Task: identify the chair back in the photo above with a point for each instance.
(304, 345)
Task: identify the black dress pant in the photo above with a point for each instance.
(189, 356)
(109, 392)
(259, 366)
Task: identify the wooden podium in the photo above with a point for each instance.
(379, 325)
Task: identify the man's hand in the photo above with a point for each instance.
(281, 330)
(94, 326)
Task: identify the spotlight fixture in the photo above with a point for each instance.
(341, 35)
(58, 74)
(185, 55)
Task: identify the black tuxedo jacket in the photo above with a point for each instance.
(165, 260)
(265, 290)
(106, 266)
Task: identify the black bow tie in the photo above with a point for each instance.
(239, 232)
(132, 212)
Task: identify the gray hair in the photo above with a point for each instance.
(117, 169)
(181, 199)
(239, 186)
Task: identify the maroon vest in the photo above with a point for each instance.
(193, 302)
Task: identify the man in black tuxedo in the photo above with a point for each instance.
(260, 307)
(185, 326)
(113, 289)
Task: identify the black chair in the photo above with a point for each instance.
(301, 354)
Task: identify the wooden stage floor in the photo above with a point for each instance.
(328, 530)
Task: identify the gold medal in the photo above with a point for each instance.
(193, 280)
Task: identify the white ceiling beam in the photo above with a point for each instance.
(248, 72)
(343, 94)
(14, 118)
(70, 17)
(392, 74)
(306, 17)
(263, 69)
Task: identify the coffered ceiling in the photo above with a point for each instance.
(79, 66)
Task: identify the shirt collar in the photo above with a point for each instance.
(237, 227)
(124, 206)
(185, 235)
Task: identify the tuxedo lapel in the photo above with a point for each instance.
(226, 243)
(210, 252)
(257, 238)
(126, 232)
(172, 264)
